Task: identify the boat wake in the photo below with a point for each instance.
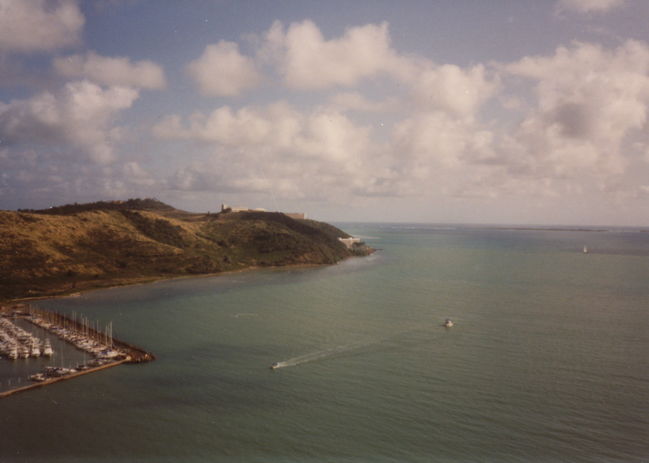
(319, 355)
(399, 340)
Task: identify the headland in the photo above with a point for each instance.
(73, 248)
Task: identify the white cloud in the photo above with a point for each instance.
(436, 153)
(588, 105)
(324, 151)
(355, 101)
(278, 128)
(134, 173)
(280, 150)
(590, 102)
(39, 25)
(453, 89)
(588, 6)
(111, 70)
(80, 114)
(431, 139)
(223, 71)
(276, 125)
(324, 154)
(307, 61)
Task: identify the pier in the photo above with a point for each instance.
(105, 350)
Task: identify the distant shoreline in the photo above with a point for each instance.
(480, 226)
(598, 230)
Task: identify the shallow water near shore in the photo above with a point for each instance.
(547, 360)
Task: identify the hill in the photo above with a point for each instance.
(74, 247)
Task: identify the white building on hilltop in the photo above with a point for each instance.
(226, 208)
(349, 242)
(292, 215)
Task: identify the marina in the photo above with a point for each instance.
(16, 342)
(99, 347)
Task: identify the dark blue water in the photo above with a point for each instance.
(547, 360)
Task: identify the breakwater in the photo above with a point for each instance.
(104, 349)
(56, 379)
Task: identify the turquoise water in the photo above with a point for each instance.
(548, 360)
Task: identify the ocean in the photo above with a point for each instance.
(548, 360)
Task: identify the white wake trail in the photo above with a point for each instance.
(321, 354)
(339, 350)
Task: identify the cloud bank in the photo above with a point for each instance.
(111, 70)
(589, 102)
(301, 116)
(80, 114)
(588, 6)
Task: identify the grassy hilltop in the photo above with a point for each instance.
(74, 247)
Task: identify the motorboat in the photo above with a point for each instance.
(448, 323)
(274, 366)
(38, 377)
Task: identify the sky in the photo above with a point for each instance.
(443, 111)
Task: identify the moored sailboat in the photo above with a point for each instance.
(36, 350)
(13, 352)
(47, 348)
(23, 351)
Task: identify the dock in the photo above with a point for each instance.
(104, 348)
(59, 378)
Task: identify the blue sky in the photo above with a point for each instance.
(421, 111)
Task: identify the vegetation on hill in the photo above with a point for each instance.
(69, 248)
(149, 204)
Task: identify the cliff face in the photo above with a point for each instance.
(77, 247)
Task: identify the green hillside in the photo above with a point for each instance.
(74, 247)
